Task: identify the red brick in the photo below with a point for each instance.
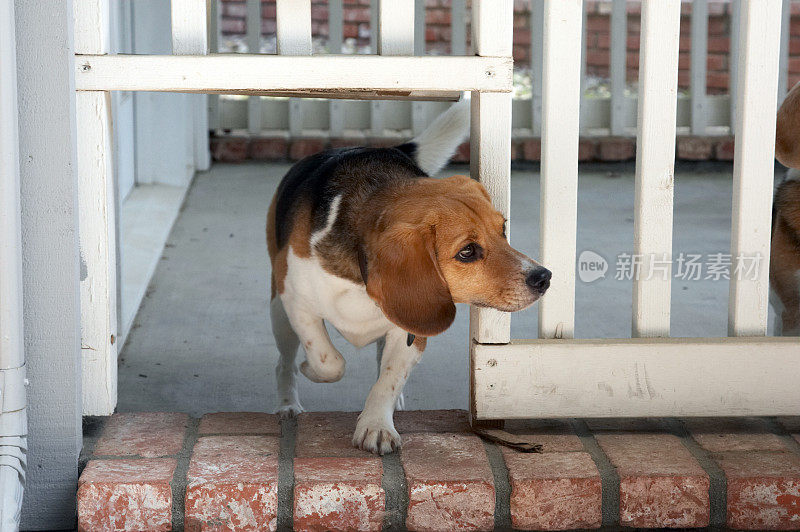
(350, 31)
(327, 434)
(724, 151)
(356, 14)
(695, 148)
(733, 434)
(553, 490)
(229, 149)
(240, 423)
(408, 421)
(532, 149)
(231, 25)
(438, 16)
(794, 43)
(338, 494)
(147, 434)
(269, 11)
(347, 142)
(717, 80)
(268, 26)
(301, 148)
(717, 62)
(319, 12)
(128, 494)
(587, 150)
(233, 483)
(234, 10)
(616, 149)
(661, 484)
(269, 149)
(763, 490)
(719, 44)
(450, 485)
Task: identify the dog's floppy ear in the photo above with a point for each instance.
(404, 278)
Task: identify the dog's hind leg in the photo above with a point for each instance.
(286, 370)
(380, 345)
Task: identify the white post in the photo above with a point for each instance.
(294, 38)
(335, 36)
(559, 181)
(537, 64)
(190, 37)
(619, 48)
(458, 28)
(753, 167)
(699, 59)
(254, 47)
(655, 160)
(96, 197)
(13, 413)
(490, 153)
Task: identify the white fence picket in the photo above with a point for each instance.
(618, 64)
(753, 167)
(733, 60)
(254, 47)
(490, 153)
(335, 41)
(559, 181)
(458, 27)
(213, 47)
(294, 38)
(698, 68)
(537, 61)
(190, 37)
(419, 109)
(97, 221)
(655, 159)
(783, 62)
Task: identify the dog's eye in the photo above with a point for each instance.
(469, 253)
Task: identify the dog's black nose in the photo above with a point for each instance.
(539, 279)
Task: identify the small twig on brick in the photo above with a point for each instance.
(506, 439)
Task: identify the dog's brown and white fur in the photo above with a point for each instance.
(363, 239)
(784, 269)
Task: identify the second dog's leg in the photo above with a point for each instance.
(375, 430)
(323, 362)
(380, 345)
(286, 370)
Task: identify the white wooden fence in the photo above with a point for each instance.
(698, 113)
(555, 375)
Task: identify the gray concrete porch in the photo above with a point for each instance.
(202, 342)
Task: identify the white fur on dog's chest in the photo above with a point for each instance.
(342, 303)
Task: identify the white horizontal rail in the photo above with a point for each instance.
(636, 378)
(246, 73)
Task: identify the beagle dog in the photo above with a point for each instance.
(362, 238)
(784, 262)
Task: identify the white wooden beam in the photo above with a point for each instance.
(698, 68)
(97, 219)
(244, 72)
(490, 153)
(559, 181)
(619, 61)
(636, 378)
(253, 17)
(190, 37)
(753, 167)
(655, 162)
(294, 38)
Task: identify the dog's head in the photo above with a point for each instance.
(438, 242)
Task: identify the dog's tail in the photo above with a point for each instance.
(432, 148)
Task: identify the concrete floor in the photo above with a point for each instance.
(202, 342)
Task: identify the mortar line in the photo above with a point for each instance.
(502, 487)
(783, 434)
(718, 489)
(179, 478)
(286, 474)
(395, 489)
(609, 478)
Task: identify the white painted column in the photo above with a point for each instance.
(13, 413)
(618, 60)
(190, 37)
(490, 153)
(50, 255)
(753, 166)
(559, 181)
(698, 68)
(294, 38)
(254, 47)
(97, 221)
(655, 162)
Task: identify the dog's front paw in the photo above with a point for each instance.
(376, 435)
(290, 410)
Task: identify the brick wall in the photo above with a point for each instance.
(438, 34)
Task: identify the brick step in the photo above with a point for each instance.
(250, 471)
